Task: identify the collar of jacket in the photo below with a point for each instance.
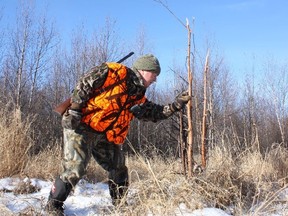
(139, 80)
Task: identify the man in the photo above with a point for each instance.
(103, 103)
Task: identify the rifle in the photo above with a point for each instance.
(62, 107)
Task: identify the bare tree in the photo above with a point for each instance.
(250, 110)
(2, 36)
(3, 78)
(190, 160)
(108, 46)
(21, 40)
(27, 56)
(276, 86)
(43, 42)
(85, 52)
(204, 115)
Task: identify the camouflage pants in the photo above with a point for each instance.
(82, 144)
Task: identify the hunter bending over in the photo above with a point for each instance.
(96, 124)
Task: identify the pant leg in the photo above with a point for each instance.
(76, 155)
(112, 158)
(118, 176)
(75, 160)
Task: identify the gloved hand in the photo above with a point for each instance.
(71, 119)
(137, 110)
(180, 101)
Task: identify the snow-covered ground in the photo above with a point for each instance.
(87, 199)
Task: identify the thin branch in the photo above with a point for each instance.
(182, 78)
(167, 8)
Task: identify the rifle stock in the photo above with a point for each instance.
(62, 107)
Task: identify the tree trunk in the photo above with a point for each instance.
(203, 131)
(189, 106)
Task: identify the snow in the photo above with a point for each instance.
(87, 200)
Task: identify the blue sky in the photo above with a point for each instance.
(244, 32)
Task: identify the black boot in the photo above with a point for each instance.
(117, 191)
(58, 194)
(118, 176)
(54, 208)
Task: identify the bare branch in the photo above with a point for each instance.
(171, 12)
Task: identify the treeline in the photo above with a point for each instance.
(39, 70)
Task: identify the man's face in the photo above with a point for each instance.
(148, 77)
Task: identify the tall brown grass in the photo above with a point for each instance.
(249, 183)
(15, 142)
(45, 165)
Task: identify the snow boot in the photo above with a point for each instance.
(58, 194)
(54, 208)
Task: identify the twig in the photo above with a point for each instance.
(167, 8)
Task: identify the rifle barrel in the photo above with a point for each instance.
(125, 57)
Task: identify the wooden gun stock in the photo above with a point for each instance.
(61, 108)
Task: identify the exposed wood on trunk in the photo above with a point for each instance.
(204, 129)
(189, 105)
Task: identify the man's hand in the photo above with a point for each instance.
(138, 110)
(180, 101)
(71, 119)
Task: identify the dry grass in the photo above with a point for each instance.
(247, 184)
(15, 143)
(45, 165)
(157, 187)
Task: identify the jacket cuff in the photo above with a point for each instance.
(75, 106)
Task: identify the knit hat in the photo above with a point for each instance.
(149, 63)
